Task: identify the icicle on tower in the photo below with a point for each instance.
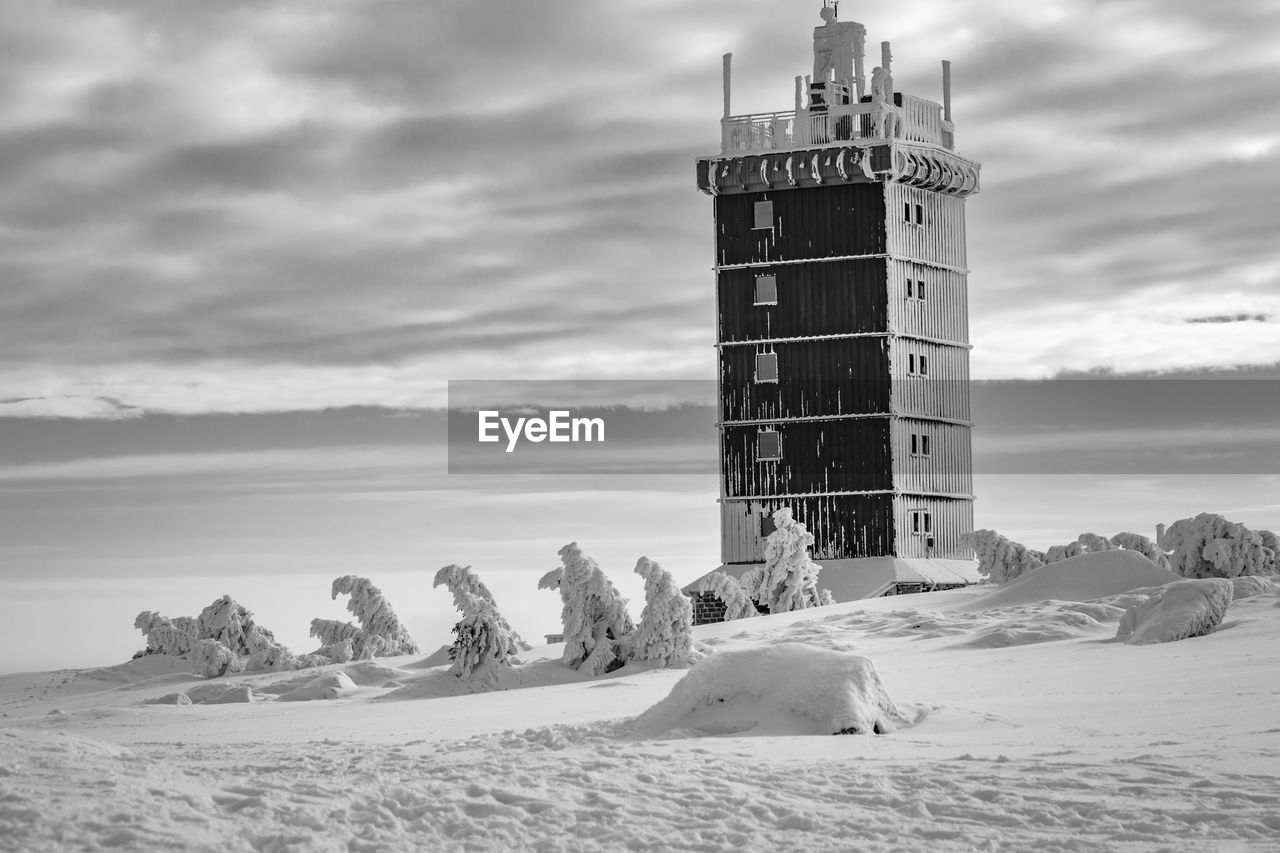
(843, 341)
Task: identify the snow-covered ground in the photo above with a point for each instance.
(1027, 727)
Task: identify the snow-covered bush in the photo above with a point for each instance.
(789, 579)
(377, 619)
(1000, 560)
(1177, 611)
(737, 604)
(596, 623)
(1271, 542)
(1058, 553)
(1143, 545)
(213, 659)
(1210, 546)
(482, 638)
(666, 624)
(461, 581)
(166, 636)
(810, 690)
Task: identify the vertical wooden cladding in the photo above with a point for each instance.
(943, 393)
(843, 526)
(814, 222)
(841, 376)
(831, 298)
(948, 469)
(942, 314)
(817, 456)
(940, 239)
(951, 519)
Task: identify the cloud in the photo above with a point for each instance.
(258, 206)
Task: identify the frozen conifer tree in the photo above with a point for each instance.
(1000, 560)
(789, 579)
(666, 624)
(1092, 543)
(1271, 542)
(370, 606)
(737, 604)
(213, 659)
(1210, 546)
(1143, 545)
(483, 640)
(166, 636)
(232, 625)
(1057, 553)
(462, 581)
(596, 622)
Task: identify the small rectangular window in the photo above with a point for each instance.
(911, 364)
(924, 445)
(915, 444)
(763, 215)
(915, 522)
(921, 522)
(911, 289)
(924, 365)
(920, 290)
(767, 525)
(768, 446)
(928, 522)
(919, 214)
(767, 367)
(767, 290)
(906, 211)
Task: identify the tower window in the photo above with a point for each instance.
(921, 522)
(924, 446)
(767, 367)
(917, 365)
(906, 211)
(911, 289)
(924, 365)
(767, 524)
(920, 214)
(768, 446)
(920, 290)
(919, 444)
(763, 215)
(767, 290)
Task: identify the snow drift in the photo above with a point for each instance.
(1084, 578)
(789, 688)
(1178, 611)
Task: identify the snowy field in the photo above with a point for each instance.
(1026, 727)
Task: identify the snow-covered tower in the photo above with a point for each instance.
(841, 284)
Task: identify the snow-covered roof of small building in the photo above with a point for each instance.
(872, 577)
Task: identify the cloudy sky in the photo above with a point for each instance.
(244, 245)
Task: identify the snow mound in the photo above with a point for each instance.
(790, 688)
(241, 693)
(1179, 611)
(1084, 578)
(331, 685)
(1251, 585)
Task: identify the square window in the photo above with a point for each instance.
(767, 525)
(763, 215)
(767, 290)
(769, 446)
(767, 367)
(921, 522)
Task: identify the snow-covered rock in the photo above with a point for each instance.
(788, 688)
(331, 685)
(1178, 611)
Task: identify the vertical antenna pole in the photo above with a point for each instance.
(799, 95)
(728, 73)
(859, 66)
(946, 90)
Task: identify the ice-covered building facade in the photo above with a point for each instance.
(842, 297)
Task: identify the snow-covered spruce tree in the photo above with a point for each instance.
(596, 623)
(460, 581)
(213, 659)
(1000, 560)
(1058, 553)
(1271, 542)
(166, 636)
(1093, 543)
(370, 606)
(483, 641)
(789, 579)
(737, 604)
(1143, 545)
(666, 624)
(1210, 546)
